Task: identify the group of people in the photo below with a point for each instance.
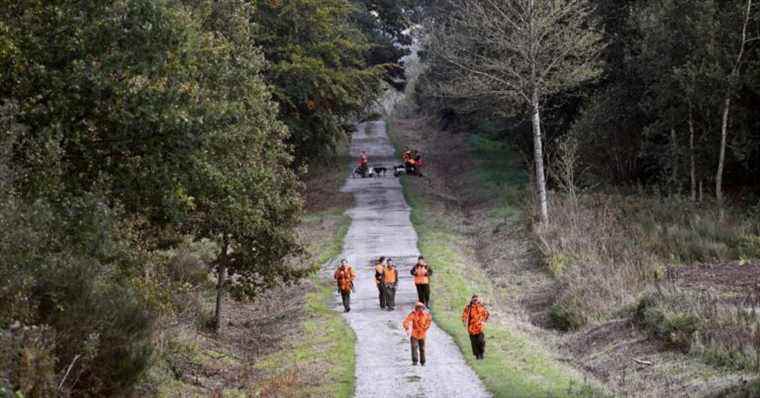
(386, 279)
(416, 324)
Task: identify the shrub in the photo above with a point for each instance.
(605, 248)
(724, 333)
(69, 274)
(565, 316)
(27, 362)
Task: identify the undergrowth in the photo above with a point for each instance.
(605, 248)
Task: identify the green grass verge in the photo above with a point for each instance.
(326, 345)
(514, 365)
(497, 177)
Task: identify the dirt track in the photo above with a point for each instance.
(381, 226)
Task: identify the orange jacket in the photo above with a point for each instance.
(419, 322)
(345, 277)
(475, 315)
(390, 277)
(421, 273)
(379, 271)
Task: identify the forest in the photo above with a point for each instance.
(136, 131)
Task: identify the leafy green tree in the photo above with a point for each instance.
(317, 69)
(244, 193)
(130, 121)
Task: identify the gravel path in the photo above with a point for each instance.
(381, 226)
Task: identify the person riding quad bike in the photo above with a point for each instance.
(412, 162)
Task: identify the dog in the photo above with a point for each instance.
(398, 170)
(358, 172)
(380, 171)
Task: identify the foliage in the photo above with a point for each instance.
(317, 69)
(127, 125)
(724, 333)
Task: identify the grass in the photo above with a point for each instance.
(514, 366)
(324, 351)
(495, 170)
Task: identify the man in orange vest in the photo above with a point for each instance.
(379, 275)
(416, 325)
(474, 317)
(390, 280)
(422, 273)
(345, 276)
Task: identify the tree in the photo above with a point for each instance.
(518, 53)
(317, 68)
(733, 59)
(129, 122)
(242, 191)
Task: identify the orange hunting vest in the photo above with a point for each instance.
(379, 269)
(476, 316)
(345, 278)
(390, 276)
(421, 276)
(420, 323)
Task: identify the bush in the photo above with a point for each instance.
(606, 248)
(68, 273)
(27, 362)
(564, 316)
(724, 333)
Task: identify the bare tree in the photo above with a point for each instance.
(516, 53)
(733, 80)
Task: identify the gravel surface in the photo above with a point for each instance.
(381, 226)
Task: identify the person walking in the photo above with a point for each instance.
(422, 273)
(416, 325)
(379, 281)
(390, 280)
(345, 276)
(474, 317)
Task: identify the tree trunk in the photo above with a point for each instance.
(674, 160)
(692, 158)
(538, 155)
(221, 281)
(722, 156)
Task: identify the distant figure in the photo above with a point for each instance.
(345, 276)
(412, 162)
(422, 273)
(363, 164)
(379, 281)
(390, 280)
(417, 324)
(474, 317)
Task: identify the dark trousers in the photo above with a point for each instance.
(390, 296)
(346, 298)
(381, 294)
(478, 342)
(423, 293)
(418, 346)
